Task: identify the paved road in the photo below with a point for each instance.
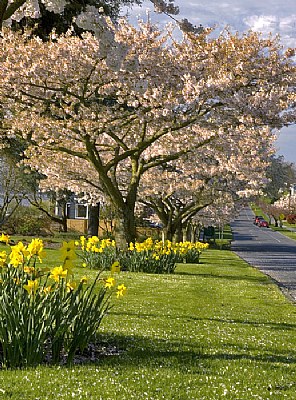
(271, 252)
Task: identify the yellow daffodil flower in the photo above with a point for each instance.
(58, 273)
(115, 267)
(71, 286)
(18, 254)
(3, 258)
(84, 279)
(4, 238)
(29, 270)
(68, 250)
(109, 282)
(121, 290)
(47, 289)
(31, 286)
(35, 248)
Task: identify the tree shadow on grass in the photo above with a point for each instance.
(140, 351)
(260, 279)
(281, 326)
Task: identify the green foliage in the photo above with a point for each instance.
(27, 221)
(281, 175)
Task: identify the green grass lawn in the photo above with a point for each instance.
(217, 330)
(286, 232)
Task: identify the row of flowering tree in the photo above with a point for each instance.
(119, 112)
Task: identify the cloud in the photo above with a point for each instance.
(268, 16)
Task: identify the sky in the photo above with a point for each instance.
(266, 16)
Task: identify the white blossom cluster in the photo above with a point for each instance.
(31, 9)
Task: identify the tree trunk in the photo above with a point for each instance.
(189, 232)
(93, 220)
(179, 233)
(64, 224)
(125, 228)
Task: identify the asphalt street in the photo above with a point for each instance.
(271, 252)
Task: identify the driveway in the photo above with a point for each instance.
(271, 252)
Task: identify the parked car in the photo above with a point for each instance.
(263, 224)
(257, 219)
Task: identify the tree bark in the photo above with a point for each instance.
(93, 220)
(125, 228)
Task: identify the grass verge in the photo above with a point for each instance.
(217, 330)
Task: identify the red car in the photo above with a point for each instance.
(262, 223)
(257, 219)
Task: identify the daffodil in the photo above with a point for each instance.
(35, 248)
(58, 273)
(71, 286)
(3, 258)
(68, 254)
(84, 279)
(68, 250)
(32, 286)
(29, 270)
(109, 282)
(18, 254)
(115, 267)
(121, 290)
(4, 238)
(47, 289)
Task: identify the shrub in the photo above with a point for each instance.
(291, 219)
(27, 221)
(47, 315)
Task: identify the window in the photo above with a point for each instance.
(81, 211)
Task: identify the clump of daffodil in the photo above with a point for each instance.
(162, 256)
(96, 253)
(55, 305)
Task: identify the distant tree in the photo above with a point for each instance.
(15, 184)
(47, 202)
(281, 174)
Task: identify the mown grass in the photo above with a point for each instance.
(216, 330)
(286, 232)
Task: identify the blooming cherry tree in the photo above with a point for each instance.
(102, 112)
(230, 168)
